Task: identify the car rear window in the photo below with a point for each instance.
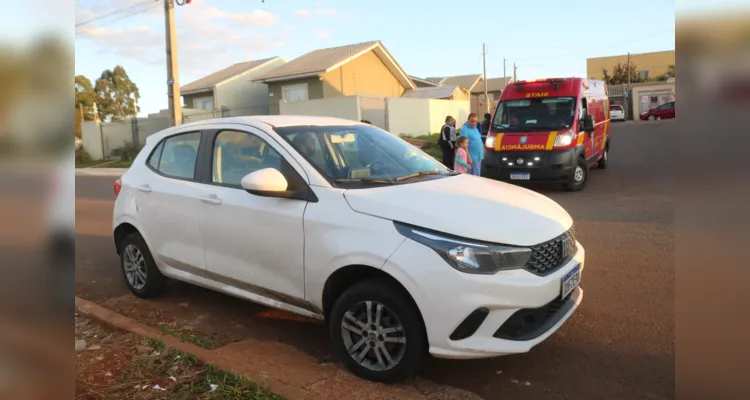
(615, 107)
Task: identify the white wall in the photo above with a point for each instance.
(414, 117)
(92, 139)
(341, 107)
(373, 110)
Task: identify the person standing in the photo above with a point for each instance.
(476, 146)
(463, 164)
(486, 125)
(447, 141)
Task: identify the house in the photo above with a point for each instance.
(358, 69)
(647, 65)
(437, 92)
(231, 89)
(495, 87)
(420, 83)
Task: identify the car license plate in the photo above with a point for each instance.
(520, 176)
(571, 280)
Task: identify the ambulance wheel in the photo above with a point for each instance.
(602, 164)
(580, 177)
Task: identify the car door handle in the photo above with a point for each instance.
(144, 188)
(211, 199)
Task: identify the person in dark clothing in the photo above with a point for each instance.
(486, 126)
(447, 141)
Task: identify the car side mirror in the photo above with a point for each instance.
(587, 123)
(269, 182)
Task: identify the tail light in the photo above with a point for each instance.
(118, 186)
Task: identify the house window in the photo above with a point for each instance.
(204, 103)
(294, 93)
(643, 74)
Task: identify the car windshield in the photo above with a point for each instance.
(539, 114)
(361, 155)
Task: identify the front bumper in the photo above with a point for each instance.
(556, 166)
(446, 298)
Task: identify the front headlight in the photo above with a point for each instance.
(469, 256)
(489, 142)
(564, 139)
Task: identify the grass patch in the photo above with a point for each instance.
(198, 340)
(215, 384)
(89, 163)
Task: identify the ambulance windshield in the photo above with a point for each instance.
(539, 114)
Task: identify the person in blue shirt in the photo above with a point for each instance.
(476, 146)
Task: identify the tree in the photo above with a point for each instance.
(670, 71)
(620, 74)
(116, 95)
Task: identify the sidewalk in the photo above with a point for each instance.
(281, 368)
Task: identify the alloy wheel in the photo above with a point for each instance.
(134, 265)
(373, 336)
(579, 174)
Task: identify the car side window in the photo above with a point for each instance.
(155, 157)
(179, 155)
(237, 154)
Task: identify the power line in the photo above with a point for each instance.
(153, 5)
(114, 12)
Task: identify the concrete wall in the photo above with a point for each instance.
(116, 135)
(314, 91)
(373, 110)
(340, 107)
(655, 63)
(91, 136)
(365, 75)
(149, 126)
(416, 117)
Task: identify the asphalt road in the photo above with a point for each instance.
(619, 344)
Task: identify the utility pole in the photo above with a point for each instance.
(628, 69)
(505, 76)
(484, 74)
(173, 82)
(514, 72)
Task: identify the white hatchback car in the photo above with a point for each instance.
(342, 221)
(616, 112)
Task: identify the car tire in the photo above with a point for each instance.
(580, 176)
(139, 268)
(604, 162)
(405, 347)
(652, 117)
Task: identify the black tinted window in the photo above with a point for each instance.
(179, 155)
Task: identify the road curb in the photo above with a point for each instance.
(91, 171)
(117, 321)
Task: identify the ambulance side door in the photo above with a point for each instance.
(586, 139)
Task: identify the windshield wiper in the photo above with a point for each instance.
(366, 180)
(417, 175)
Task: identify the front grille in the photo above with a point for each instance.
(549, 256)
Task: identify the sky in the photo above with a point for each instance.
(428, 38)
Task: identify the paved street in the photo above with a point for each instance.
(619, 345)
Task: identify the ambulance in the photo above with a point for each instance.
(549, 131)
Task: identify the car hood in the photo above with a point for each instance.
(467, 206)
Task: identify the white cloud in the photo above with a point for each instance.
(208, 38)
(302, 13)
(325, 11)
(317, 11)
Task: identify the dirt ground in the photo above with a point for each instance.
(123, 366)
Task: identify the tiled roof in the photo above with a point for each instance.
(493, 85)
(434, 79)
(209, 81)
(317, 61)
(463, 81)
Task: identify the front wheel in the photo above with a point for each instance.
(377, 332)
(580, 176)
(652, 117)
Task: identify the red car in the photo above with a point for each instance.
(664, 111)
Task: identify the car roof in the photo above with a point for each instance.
(274, 121)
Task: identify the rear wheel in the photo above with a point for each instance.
(139, 269)
(377, 332)
(652, 117)
(580, 177)
(602, 164)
